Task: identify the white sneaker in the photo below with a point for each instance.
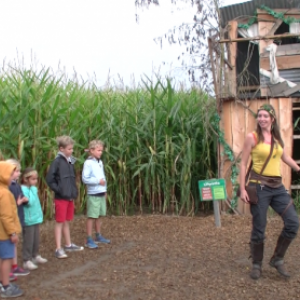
(29, 265)
(39, 260)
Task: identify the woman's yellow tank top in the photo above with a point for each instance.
(260, 153)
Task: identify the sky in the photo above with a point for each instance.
(94, 39)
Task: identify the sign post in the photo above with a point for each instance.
(213, 190)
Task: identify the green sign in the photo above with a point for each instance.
(213, 189)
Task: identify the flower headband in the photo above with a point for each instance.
(267, 108)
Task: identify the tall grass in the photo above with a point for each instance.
(158, 140)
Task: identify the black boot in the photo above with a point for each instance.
(277, 258)
(257, 253)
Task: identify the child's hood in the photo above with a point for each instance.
(6, 170)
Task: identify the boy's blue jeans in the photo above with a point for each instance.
(280, 201)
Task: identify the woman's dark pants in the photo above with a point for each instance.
(280, 201)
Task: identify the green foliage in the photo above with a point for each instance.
(276, 15)
(158, 140)
(296, 198)
(230, 155)
(280, 15)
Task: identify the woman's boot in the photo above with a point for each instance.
(277, 258)
(257, 253)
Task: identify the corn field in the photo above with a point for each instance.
(158, 140)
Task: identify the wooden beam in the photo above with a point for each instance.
(225, 163)
(276, 25)
(271, 37)
(286, 130)
(248, 88)
(283, 62)
(233, 31)
(284, 50)
(237, 115)
(287, 12)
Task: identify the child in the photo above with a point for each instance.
(16, 190)
(10, 227)
(61, 179)
(94, 178)
(33, 218)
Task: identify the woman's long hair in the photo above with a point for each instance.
(274, 128)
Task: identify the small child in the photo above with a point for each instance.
(33, 218)
(10, 227)
(16, 190)
(61, 179)
(94, 177)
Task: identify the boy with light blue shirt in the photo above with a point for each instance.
(93, 176)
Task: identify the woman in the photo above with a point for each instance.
(258, 144)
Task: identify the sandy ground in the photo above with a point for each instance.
(163, 257)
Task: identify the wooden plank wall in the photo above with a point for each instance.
(237, 121)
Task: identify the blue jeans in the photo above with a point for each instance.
(280, 201)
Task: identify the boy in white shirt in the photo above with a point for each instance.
(93, 177)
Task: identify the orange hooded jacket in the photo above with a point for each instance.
(9, 220)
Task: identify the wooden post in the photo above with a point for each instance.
(263, 29)
(232, 86)
(217, 214)
(213, 67)
(286, 129)
(238, 128)
(225, 164)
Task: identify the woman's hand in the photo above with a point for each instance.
(244, 196)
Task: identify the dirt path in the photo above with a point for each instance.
(159, 257)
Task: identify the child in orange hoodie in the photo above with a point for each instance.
(9, 229)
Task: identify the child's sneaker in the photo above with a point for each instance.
(12, 277)
(73, 247)
(101, 239)
(12, 291)
(20, 272)
(29, 265)
(39, 260)
(90, 243)
(60, 253)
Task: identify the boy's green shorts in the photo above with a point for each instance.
(96, 206)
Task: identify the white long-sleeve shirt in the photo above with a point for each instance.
(92, 173)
